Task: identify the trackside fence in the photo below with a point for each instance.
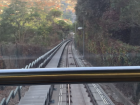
(38, 63)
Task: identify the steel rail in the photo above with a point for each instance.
(70, 75)
(69, 102)
(68, 89)
(103, 95)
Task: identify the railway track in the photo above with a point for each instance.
(77, 94)
(96, 93)
(63, 55)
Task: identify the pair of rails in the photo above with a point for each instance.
(41, 75)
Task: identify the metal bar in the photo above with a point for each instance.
(9, 97)
(70, 75)
(19, 94)
(3, 102)
(83, 39)
(69, 102)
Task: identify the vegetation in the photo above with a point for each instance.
(111, 29)
(30, 24)
(22, 23)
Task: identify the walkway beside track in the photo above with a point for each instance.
(37, 95)
(56, 58)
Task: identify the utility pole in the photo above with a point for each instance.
(75, 35)
(83, 40)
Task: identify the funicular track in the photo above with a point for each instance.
(95, 92)
(78, 94)
(40, 62)
(63, 55)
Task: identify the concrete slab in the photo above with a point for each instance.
(33, 94)
(33, 101)
(55, 95)
(77, 95)
(64, 85)
(39, 91)
(64, 91)
(36, 95)
(90, 85)
(85, 95)
(64, 98)
(93, 90)
(97, 96)
(39, 88)
(64, 103)
(40, 100)
(100, 103)
(56, 58)
(31, 104)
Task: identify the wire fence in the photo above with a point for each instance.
(17, 55)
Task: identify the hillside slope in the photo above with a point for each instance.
(111, 32)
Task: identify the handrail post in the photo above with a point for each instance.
(3, 102)
(2, 87)
(19, 93)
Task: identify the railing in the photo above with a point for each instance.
(38, 63)
(40, 75)
(70, 75)
(42, 60)
(12, 95)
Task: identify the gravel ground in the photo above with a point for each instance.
(15, 101)
(116, 100)
(5, 93)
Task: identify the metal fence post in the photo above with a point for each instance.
(3, 102)
(2, 88)
(122, 61)
(1, 51)
(16, 56)
(50, 95)
(9, 61)
(19, 93)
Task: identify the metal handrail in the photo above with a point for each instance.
(70, 75)
(64, 75)
(35, 63)
(11, 95)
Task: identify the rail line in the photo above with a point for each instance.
(68, 65)
(65, 55)
(72, 60)
(96, 93)
(38, 63)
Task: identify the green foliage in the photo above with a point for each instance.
(55, 13)
(63, 28)
(15, 18)
(105, 21)
(22, 23)
(63, 25)
(91, 10)
(67, 15)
